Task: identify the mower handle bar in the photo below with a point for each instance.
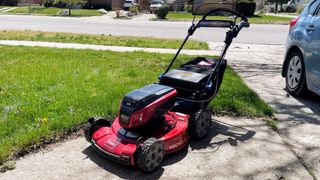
(243, 18)
(232, 33)
(243, 24)
(215, 23)
(223, 23)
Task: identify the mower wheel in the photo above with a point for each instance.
(93, 125)
(150, 155)
(200, 123)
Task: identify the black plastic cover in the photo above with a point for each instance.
(140, 98)
(190, 78)
(183, 79)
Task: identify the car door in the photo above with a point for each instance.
(313, 52)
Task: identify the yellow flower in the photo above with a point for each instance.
(44, 120)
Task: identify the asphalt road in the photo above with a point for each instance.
(256, 34)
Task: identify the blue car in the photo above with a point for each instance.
(301, 66)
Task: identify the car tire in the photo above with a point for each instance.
(150, 155)
(200, 123)
(296, 84)
(94, 124)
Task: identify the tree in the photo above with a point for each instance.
(70, 4)
(276, 3)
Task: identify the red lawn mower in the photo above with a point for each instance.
(158, 119)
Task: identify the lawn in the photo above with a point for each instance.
(47, 91)
(52, 11)
(99, 39)
(257, 19)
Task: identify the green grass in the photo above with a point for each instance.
(99, 39)
(272, 124)
(257, 19)
(39, 10)
(47, 91)
(262, 19)
(9, 165)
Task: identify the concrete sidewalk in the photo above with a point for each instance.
(236, 148)
(101, 47)
(282, 15)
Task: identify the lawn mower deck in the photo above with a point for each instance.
(121, 145)
(158, 119)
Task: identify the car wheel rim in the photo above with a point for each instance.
(203, 124)
(294, 72)
(154, 156)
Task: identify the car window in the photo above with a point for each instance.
(313, 7)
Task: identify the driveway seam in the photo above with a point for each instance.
(290, 147)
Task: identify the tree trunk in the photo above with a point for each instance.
(69, 11)
(276, 7)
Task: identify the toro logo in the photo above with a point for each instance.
(179, 141)
(110, 144)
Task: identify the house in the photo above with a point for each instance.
(19, 2)
(179, 5)
(106, 4)
(144, 5)
(211, 4)
(116, 4)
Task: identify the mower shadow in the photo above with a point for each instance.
(128, 172)
(311, 101)
(230, 134)
(122, 171)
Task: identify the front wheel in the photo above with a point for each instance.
(93, 125)
(150, 155)
(295, 75)
(200, 123)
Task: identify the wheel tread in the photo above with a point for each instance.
(193, 124)
(142, 152)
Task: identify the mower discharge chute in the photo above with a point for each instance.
(159, 118)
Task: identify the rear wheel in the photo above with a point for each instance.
(295, 75)
(94, 124)
(150, 155)
(200, 123)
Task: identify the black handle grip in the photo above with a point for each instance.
(243, 24)
(215, 23)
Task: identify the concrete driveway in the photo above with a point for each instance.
(236, 148)
(299, 118)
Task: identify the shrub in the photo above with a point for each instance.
(289, 8)
(59, 4)
(271, 9)
(134, 9)
(9, 2)
(108, 7)
(47, 3)
(246, 7)
(162, 12)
